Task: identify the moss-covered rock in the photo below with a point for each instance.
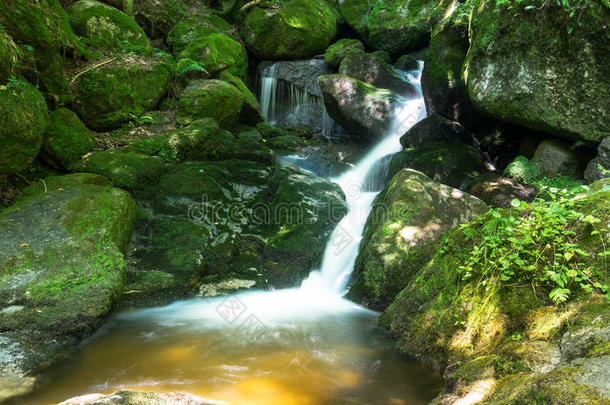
(499, 191)
(9, 57)
(337, 51)
(297, 29)
(196, 27)
(23, 120)
(403, 232)
(359, 107)
(442, 82)
(304, 211)
(217, 99)
(157, 18)
(105, 26)
(66, 139)
(61, 282)
(218, 52)
(452, 163)
(555, 157)
(131, 171)
(558, 83)
(117, 92)
(395, 26)
(372, 70)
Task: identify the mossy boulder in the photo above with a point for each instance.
(452, 163)
(435, 128)
(337, 51)
(195, 27)
(66, 139)
(558, 83)
(442, 82)
(499, 191)
(9, 57)
(403, 233)
(372, 70)
(297, 29)
(359, 107)
(217, 99)
(395, 26)
(56, 286)
(599, 167)
(304, 211)
(128, 170)
(117, 92)
(105, 26)
(23, 120)
(218, 52)
(158, 18)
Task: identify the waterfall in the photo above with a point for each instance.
(360, 190)
(286, 104)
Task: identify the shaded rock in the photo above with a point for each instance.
(218, 52)
(434, 128)
(105, 26)
(65, 279)
(23, 120)
(217, 99)
(452, 163)
(442, 83)
(499, 191)
(552, 85)
(117, 92)
(302, 74)
(397, 26)
(158, 18)
(137, 398)
(370, 69)
(364, 110)
(304, 211)
(297, 29)
(9, 57)
(402, 233)
(406, 63)
(337, 51)
(555, 157)
(599, 167)
(45, 68)
(127, 170)
(66, 139)
(195, 27)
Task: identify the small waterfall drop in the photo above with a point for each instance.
(360, 190)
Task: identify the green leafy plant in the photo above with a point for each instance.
(537, 244)
(187, 65)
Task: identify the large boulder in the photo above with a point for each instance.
(56, 286)
(157, 18)
(434, 128)
(304, 211)
(442, 82)
(402, 233)
(297, 29)
(373, 70)
(337, 51)
(66, 139)
(217, 99)
(364, 110)
(115, 93)
(554, 157)
(195, 27)
(394, 26)
(105, 26)
(218, 52)
(559, 83)
(23, 120)
(452, 163)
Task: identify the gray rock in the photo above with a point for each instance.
(556, 157)
(434, 128)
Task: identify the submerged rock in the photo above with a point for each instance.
(23, 120)
(407, 221)
(364, 110)
(558, 83)
(66, 139)
(117, 92)
(105, 26)
(138, 398)
(294, 29)
(61, 282)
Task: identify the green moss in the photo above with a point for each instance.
(9, 57)
(66, 139)
(23, 120)
(218, 52)
(196, 27)
(297, 29)
(337, 51)
(105, 26)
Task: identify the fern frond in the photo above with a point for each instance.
(188, 65)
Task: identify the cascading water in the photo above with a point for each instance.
(305, 345)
